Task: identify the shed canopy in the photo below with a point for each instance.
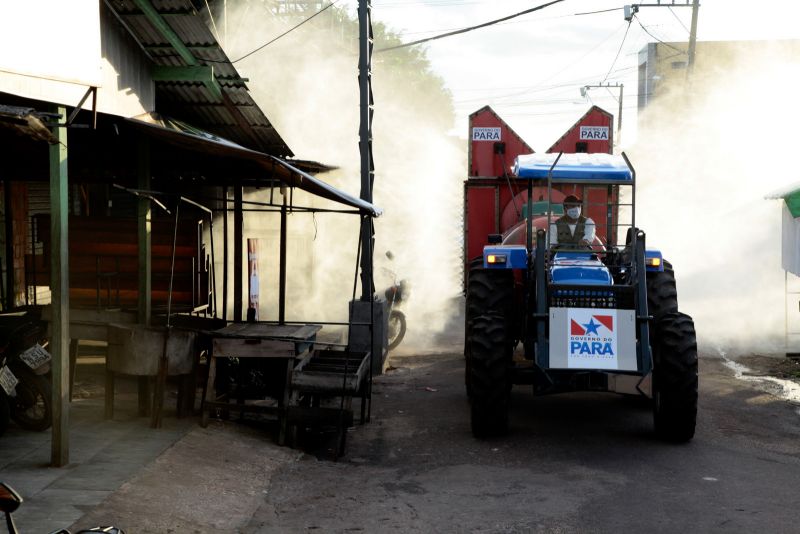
(194, 78)
(179, 134)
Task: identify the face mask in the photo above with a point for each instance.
(574, 212)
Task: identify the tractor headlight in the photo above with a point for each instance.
(495, 259)
(653, 262)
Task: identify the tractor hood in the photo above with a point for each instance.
(579, 268)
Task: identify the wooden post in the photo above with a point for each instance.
(282, 267)
(145, 233)
(59, 288)
(225, 254)
(144, 226)
(238, 237)
(9, 292)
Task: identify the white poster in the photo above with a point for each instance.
(594, 133)
(486, 134)
(592, 339)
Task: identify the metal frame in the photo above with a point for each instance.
(537, 296)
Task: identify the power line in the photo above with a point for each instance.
(601, 11)
(539, 88)
(290, 30)
(404, 33)
(679, 20)
(618, 52)
(470, 28)
(656, 38)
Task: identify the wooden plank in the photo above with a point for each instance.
(59, 257)
(265, 331)
(242, 349)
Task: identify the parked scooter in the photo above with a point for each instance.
(395, 295)
(24, 368)
(10, 501)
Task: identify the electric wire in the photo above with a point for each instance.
(679, 20)
(600, 11)
(263, 46)
(656, 38)
(618, 52)
(470, 28)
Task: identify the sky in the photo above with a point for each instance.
(531, 69)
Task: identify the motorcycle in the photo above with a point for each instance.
(395, 295)
(10, 501)
(24, 367)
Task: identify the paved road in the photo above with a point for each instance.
(573, 463)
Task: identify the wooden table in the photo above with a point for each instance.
(257, 340)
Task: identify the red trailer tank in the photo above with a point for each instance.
(494, 200)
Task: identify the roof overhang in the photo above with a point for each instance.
(26, 121)
(184, 136)
(790, 195)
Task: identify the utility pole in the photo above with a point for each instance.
(632, 9)
(693, 38)
(365, 140)
(621, 87)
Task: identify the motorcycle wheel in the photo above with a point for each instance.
(5, 413)
(32, 408)
(397, 328)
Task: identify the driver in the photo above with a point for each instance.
(572, 229)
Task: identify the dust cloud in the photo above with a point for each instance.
(307, 85)
(706, 157)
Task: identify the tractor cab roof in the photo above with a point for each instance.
(575, 168)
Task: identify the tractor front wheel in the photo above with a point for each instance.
(488, 291)
(489, 375)
(675, 377)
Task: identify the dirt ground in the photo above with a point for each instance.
(572, 463)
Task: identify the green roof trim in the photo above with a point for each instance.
(793, 203)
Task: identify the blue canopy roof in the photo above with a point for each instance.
(574, 167)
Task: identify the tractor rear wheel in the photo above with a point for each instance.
(662, 294)
(489, 378)
(675, 377)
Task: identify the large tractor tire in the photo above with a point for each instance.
(488, 347)
(675, 377)
(488, 291)
(662, 294)
(489, 378)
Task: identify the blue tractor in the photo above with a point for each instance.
(598, 316)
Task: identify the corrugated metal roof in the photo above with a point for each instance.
(239, 119)
(289, 172)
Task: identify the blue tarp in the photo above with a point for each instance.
(599, 167)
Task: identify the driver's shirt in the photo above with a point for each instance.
(588, 231)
